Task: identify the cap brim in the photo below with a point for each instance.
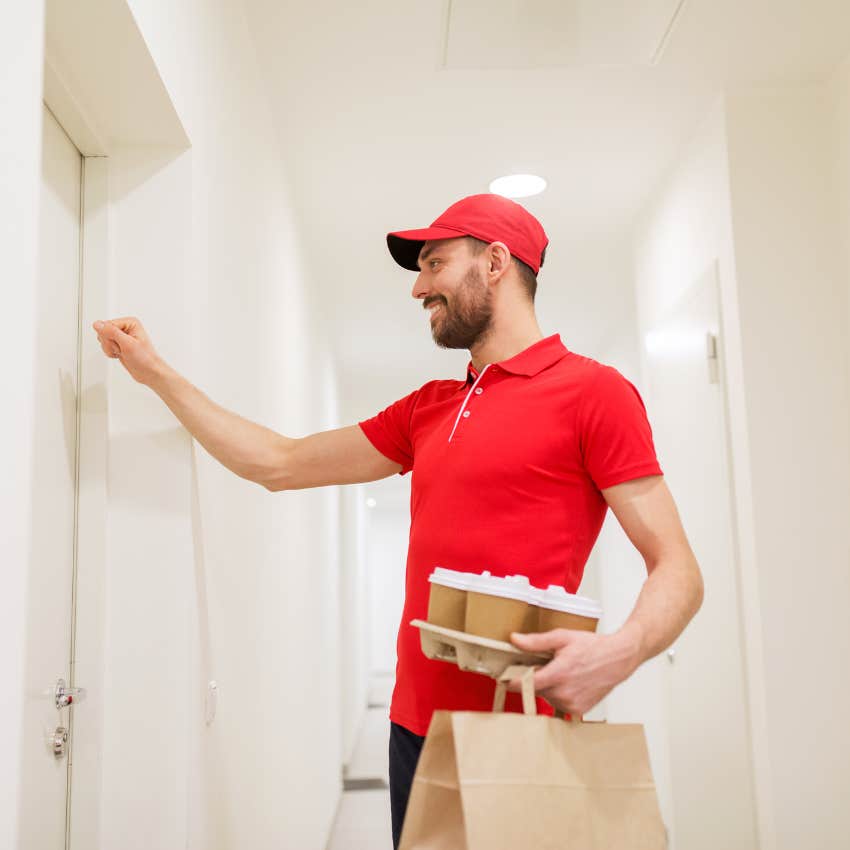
(405, 245)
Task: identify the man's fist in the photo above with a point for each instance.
(126, 340)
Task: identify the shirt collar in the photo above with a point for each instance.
(537, 357)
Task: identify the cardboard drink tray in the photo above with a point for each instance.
(472, 653)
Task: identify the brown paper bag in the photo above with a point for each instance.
(496, 781)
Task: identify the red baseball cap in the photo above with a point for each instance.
(490, 217)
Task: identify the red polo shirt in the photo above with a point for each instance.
(507, 471)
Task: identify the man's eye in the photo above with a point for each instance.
(433, 262)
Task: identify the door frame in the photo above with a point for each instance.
(92, 425)
(746, 579)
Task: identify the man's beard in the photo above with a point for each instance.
(468, 319)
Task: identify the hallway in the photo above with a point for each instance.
(363, 817)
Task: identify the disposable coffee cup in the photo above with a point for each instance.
(532, 596)
(495, 607)
(447, 598)
(561, 610)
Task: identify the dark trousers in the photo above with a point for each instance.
(404, 755)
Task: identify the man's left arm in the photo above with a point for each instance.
(586, 665)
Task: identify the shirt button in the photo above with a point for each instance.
(478, 391)
(465, 414)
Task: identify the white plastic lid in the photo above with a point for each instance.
(523, 589)
(556, 598)
(451, 578)
(510, 587)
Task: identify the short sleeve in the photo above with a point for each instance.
(614, 431)
(389, 431)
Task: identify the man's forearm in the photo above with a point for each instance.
(671, 595)
(250, 450)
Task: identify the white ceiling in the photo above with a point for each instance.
(555, 33)
(377, 135)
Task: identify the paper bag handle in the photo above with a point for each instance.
(529, 705)
(526, 676)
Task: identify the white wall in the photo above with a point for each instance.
(753, 189)
(207, 577)
(793, 303)
(684, 228)
(243, 325)
(387, 538)
(353, 615)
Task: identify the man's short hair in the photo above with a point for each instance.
(526, 275)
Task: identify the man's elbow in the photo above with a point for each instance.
(276, 482)
(698, 585)
(279, 473)
(681, 566)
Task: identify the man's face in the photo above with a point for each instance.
(450, 280)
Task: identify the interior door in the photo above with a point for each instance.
(710, 747)
(47, 730)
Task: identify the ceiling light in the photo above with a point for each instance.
(518, 185)
(371, 503)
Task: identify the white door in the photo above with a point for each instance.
(710, 747)
(45, 771)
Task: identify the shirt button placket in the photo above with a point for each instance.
(466, 413)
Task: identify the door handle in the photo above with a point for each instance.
(68, 696)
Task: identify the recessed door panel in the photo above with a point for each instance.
(44, 768)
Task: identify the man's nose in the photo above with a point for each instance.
(419, 289)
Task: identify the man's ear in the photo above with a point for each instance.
(500, 258)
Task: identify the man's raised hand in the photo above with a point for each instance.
(125, 339)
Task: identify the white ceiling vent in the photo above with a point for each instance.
(552, 33)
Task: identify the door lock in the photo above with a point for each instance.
(59, 740)
(68, 696)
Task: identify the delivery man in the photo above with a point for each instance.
(515, 466)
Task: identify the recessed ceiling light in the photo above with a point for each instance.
(371, 503)
(518, 185)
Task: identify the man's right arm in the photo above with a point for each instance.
(252, 451)
(257, 453)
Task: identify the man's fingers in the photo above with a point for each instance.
(541, 641)
(544, 678)
(547, 676)
(111, 331)
(109, 348)
(112, 339)
(107, 343)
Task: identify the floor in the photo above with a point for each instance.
(363, 818)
